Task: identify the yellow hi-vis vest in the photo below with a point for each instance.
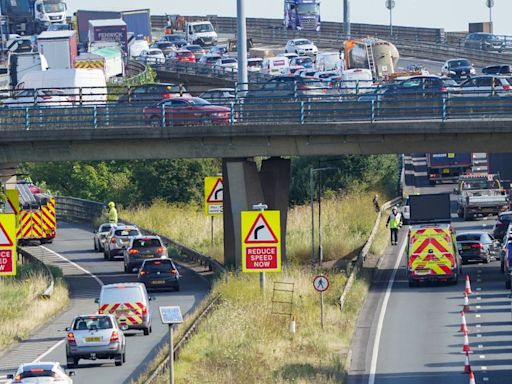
(394, 220)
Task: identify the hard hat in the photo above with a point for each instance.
(111, 204)
(395, 208)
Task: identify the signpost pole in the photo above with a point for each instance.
(211, 242)
(322, 309)
(321, 284)
(171, 356)
(261, 207)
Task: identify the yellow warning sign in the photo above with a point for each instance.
(261, 241)
(7, 244)
(213, 196)
(13, 201)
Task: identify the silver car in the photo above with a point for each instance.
(118, 240)
(483, 86)
(41, 372)
(100, 235)
(95, 337)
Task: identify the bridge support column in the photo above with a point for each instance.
(8, 173)
(244, 186)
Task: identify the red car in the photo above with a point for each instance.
(186, 111)
(182, 56)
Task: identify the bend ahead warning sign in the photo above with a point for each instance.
(261, 245)
(213, 196)
(7, 244)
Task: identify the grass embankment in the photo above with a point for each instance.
(21, 309)
(346, 224)
(242, 340)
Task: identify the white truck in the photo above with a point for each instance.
(30, 17)
(480, 194)
(201, 33)
(22, 63)
(59, 48)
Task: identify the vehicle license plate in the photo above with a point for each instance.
(148, 256)
(422, 272)
(92, 339)
(466, 247)
(157, 281)
(446, 170)
(122, 312)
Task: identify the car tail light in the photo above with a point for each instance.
(479, 246)
(506, 87)
(444, 89)
(167, 95)
(144, 311)
(114, 337)
(142, 273)
(160, 250)
(113, 240)
(71, 338)
(133, 251)
(174, 271)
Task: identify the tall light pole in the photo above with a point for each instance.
(241, 45)
(490, 4)
(390, 4)
(346, 18)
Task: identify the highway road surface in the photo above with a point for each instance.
(86, 270)
(410, 335)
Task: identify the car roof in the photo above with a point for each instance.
(471, 233)
(45, 364)
(459, 59)
(220, 89)
(146, 237)
(122, 285)
(94, 315)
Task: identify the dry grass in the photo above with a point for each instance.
(19, 299)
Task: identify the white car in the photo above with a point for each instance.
(485, 85)
(152, 56)
(41, 373)
(405, 209)
(39, 97)
(301, 47)
(254, 64)
(226, 64)
(326, 75)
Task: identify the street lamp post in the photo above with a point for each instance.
(346, 18)
(490, 4)
(312, 171)
(241, 45)
(390, 4)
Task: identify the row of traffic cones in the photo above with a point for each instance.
(466, 348)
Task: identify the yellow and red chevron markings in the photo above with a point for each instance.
(31, 225)
(431, 249)
(48, 218)
(133, 315)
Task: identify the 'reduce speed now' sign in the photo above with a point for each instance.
(261, 241)
(7, 244)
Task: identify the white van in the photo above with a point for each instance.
(358, 80)
(136, 48)
(274, 65)
(327, 61)
(129, 303)
(81, 86)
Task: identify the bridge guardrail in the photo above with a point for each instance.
(75, 209)
(30, 255)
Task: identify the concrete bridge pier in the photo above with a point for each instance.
(8, 173)
(244, 186)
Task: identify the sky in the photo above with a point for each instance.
(452, 15)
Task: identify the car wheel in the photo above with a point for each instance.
(155, 122)
(109, 256)
(146, 331)
(70, 362)
(124, 356)
(95, 246)
(413, 283)
(177, 288)
(508, 283)
(502, 265)
(119, 360)
(487, 259)
(126, 269)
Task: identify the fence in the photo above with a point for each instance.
(36, 256)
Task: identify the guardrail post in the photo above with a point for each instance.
(302, 112)
(163, 116)
(95, 117)
(27, 119)
(443, 109)
(232, 114)
(372, 118)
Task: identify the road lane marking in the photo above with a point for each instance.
(478, 316)
(58, 344)
(479, 298)
(479, 289)
(485, 379)
(478, 325)
(478, 307)
(74, 265)
(480, 346)
(478, 335)
(380, 323)
(482, 356)
(484, 368)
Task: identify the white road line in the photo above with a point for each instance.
(479, 335)
(74, 265)
(482, 356)
(483, 368)
(478, 316)
(480, 346)
(478, 325)
(380, 323)
(56, 345)
(479, 289)
(485, 379)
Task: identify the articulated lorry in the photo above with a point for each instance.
(480, 194)
(29, 17)
(447, 167)
(379, 56)
(302, 15)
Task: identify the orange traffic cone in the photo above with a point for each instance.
(472, 378)
(467, 290)
(466, 303)
(467, 366)
(466, 348)
(463, 325)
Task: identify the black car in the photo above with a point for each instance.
(499, 69)
(415, 86)
(458, 69)
(501, 225)
(288, 87)
(176, 40)
(484, 41)
(477, 246)
(165, 46)
(159, 274)
(149, 94)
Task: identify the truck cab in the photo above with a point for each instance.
(50, 11)
(201, 33)
(302, 14)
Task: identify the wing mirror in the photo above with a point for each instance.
(97, 300)
(10, 376)
(67, 329)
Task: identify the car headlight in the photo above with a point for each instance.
(472, 71)
(219, 114)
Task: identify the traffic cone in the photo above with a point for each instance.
(467, 366)
(463, 325)
(466, 303)
(466, 348)
(472, 378)
(467, 290)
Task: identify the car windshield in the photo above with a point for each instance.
(173, 38)
(459, 63)
(92, 323)
(154, 53)
(469, 237)
(121, 294)
(146, 243)
(198, 101)
(127, 232)
(105, 228)
(201, 28)
(194, 48)
(506, 218)
(450, 82)
(479, 184)
(158, 265)
(184, 54)
(491, 38)
(303, 60)
(52, 7)
(302, 42)
(306, 9)
(254, 63)
(37, 372)
(58, 27)
(228, 61)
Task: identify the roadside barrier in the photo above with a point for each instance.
(36, 256)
